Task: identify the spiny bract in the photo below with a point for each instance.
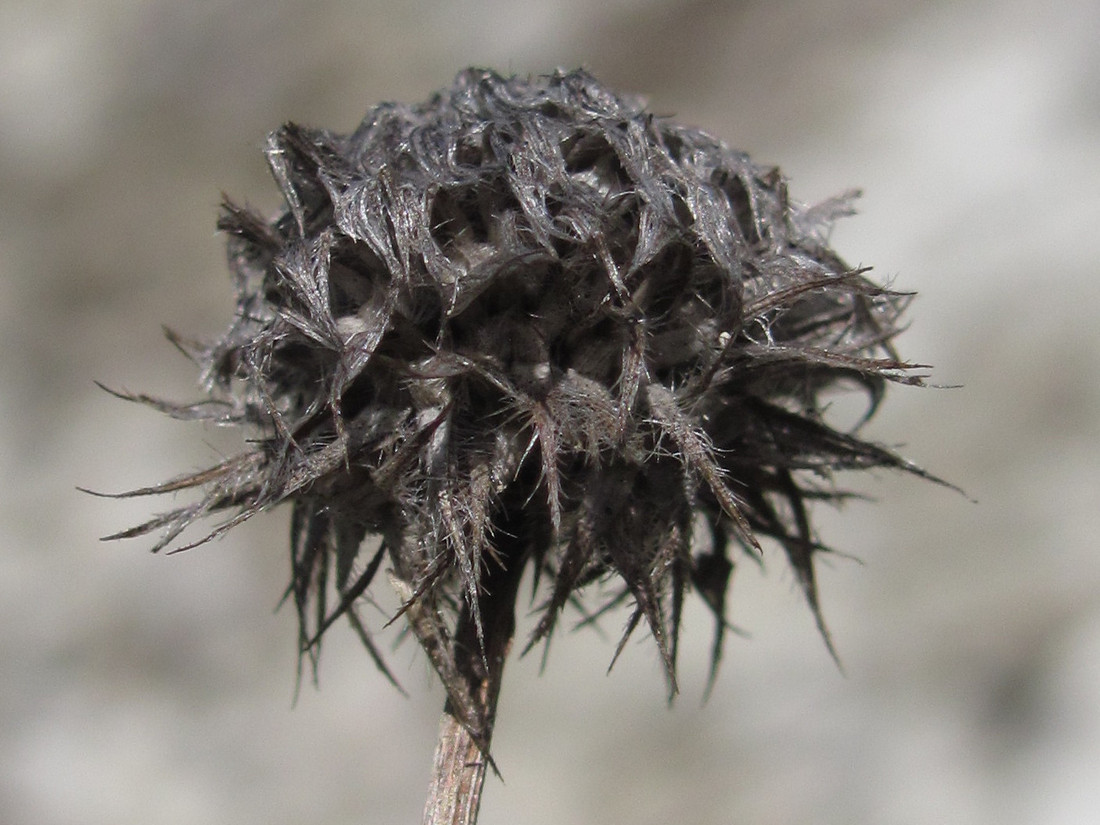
(527, 307)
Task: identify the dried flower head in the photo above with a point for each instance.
(529, 324)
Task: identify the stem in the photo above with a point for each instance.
(466, 729)
(458, 773)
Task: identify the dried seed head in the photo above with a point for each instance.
(527, 322)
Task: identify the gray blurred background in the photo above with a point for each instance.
(159, 689)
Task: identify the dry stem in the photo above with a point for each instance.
(466, 729)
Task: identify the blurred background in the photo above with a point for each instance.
(137, 688)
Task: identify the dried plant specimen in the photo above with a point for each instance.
(527, 325)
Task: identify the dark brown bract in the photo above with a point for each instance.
(528, 324)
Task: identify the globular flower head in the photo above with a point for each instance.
(527, 323)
